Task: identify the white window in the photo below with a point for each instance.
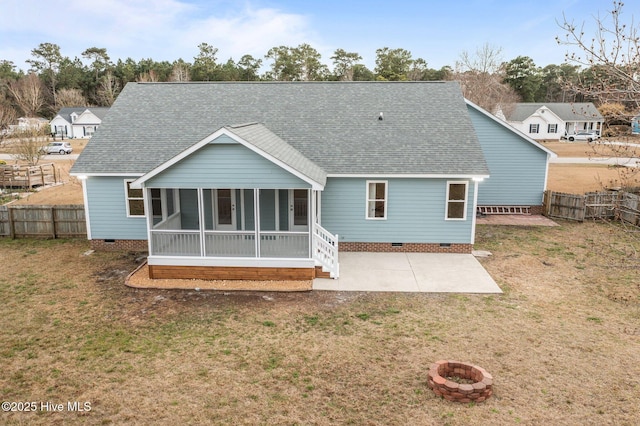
(134, 200)
(534, 128)
(553, 128)
(456, 200)
(376, 199)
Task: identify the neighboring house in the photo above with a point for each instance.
(549, 121)
(77, 122)
(270, 180)
(635, 125)
(28, 123)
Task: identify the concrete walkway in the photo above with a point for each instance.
(410, 272)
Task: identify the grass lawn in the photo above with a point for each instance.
(562, 342)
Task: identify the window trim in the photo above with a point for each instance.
(368, 199)
(127, 200)
(465, 201)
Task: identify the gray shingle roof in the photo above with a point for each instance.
(264, 139)
(426, 127)
(575, 111)
(66, 112)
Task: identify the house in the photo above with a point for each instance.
(554, 121)
(28, 123)
(635, 125)
(77, 122)
(270, 180)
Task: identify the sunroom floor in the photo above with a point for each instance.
(410, 272)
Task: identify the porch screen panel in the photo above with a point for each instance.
(283, 209)
(249, 217)
(267, 210)
(189, 209)
(207, 200)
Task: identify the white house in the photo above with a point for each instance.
(77, 122)
(555, 120)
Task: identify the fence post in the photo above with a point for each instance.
(53, 222)
(12, 231)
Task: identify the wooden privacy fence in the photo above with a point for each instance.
(64, 221)
(620, 205)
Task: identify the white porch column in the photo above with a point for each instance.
(256, 218)
(201, 221)
(148, 212)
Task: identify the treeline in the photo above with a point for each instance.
(55, 81)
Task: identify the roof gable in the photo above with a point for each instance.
(335, 125)
(260, 140)
(512, 129)
(573, 111)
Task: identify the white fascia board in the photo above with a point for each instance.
(406, 176)
(506, 125)
(123, 174)
(138, 183)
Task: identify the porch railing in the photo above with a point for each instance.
(284, 244)
(229, 243)
(325, 250)
(175, 243)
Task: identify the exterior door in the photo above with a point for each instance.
(299, 209)
(225, 209)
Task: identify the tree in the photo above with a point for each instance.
(180, 71)
(362, 73)
(393, 64)
(205, 65)
(108, 89)
(28, 94)
(249, 67)
(612, 55)
(8, 117)
(556, 80)
(28, 147)
(100, 60)
(524, 77)
(418, 70)
(301, 63)
(343, 64)
(481, 79)
(70, 98)
(8, 71)
(47, 61)
(614, 49)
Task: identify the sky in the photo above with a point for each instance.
(436, 31)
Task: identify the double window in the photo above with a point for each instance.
(134, 200)
(456, 200)
(377, 199)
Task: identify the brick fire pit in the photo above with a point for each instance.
(478, 389)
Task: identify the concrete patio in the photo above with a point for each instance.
(410, 272)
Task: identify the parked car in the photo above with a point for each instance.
(57, 148)
(584, 136)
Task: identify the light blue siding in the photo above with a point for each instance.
(108, 212)
(222, 165)
(416, 212)
(517, 167)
